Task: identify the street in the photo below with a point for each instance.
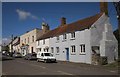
(19, 66)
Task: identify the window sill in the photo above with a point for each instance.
(57, 54)
(57, 41)
(82, 54)
(72, 38)
(73, 54)
(64, 40)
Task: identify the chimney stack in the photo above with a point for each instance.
(63, 21)
(104, 7)
(45, 27)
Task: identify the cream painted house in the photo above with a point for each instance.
(28, 41)
(16, 44)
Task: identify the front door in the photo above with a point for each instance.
(67, 54)
(31, 49)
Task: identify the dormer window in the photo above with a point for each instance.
(73, 35)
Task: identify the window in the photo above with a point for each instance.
(28, 39)
(25, 40)
(39, 49)
(73, 35)
(22, 41)
(57, 37)
(52, 50)
(57, 49)
(38, 43)
(42, 54)
(44, 41)
(73, 49)
(82, 49)
(32, 38)
(64, 36)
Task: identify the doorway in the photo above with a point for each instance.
(67, 54)
(31, 49)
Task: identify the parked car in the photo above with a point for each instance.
(45, 57)
(4, 56)
(30, 56)
(17, 55)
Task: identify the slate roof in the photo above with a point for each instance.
(72, 27)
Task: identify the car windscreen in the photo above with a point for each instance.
(17, 53)
(34, 55)
(47, 54)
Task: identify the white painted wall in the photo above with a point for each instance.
(82, 37)
(41, 45)
(97, 35)
(102, 36)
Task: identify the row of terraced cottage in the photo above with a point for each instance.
(89, 40)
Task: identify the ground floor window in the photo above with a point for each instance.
(57, 50)
(73, 49)
(32, 49)
(52, 50)
(82, 49)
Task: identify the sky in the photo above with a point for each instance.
(19, 17)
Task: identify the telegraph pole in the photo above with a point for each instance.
(117, 7)
(11, 43)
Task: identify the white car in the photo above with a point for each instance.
(45, 57)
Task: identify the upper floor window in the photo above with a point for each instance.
(32, 38)
(52, 50)
(25, 40)
(73, 49)
(82, 49)
(28, 39)
(64, 36)
(38, 43)
(57, 38)
(44, 41)
(73, 35)
(22, 41)
(57, 49)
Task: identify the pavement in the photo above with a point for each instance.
(19, 66)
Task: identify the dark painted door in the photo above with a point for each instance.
(67, 54)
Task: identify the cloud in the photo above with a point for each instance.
(23, 15)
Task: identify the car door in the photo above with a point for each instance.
(42, 56)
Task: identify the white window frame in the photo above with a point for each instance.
(32, 38)
(73, 35)
(38, 43)
(64, 37)
(57, 50)
(82, 49)
(43, 41)
(52, 50)
(73, 49)
(57, 39)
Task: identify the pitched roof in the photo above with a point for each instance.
(75, 26)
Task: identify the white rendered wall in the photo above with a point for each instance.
(102, 36)
(82, 37)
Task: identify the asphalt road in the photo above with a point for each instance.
(20, 66)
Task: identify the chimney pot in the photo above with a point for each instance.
(63, 21)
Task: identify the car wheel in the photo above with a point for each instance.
(45, 61)
(37, 60)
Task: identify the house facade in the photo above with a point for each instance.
(16, 45)
(28, 41)
(89, 40)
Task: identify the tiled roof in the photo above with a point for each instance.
(75, 26)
